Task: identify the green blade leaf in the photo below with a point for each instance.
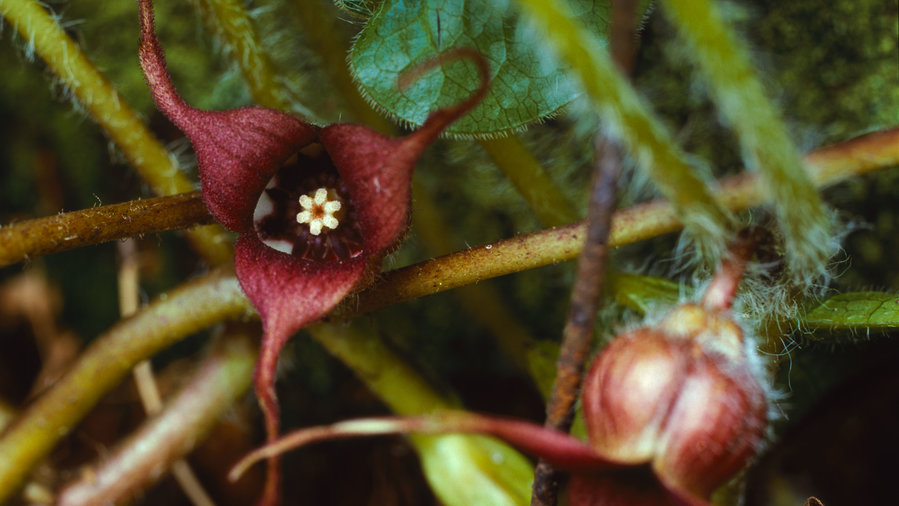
(525, 88)
(856, 311)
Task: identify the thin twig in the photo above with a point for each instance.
(591, 269)
(585, 299)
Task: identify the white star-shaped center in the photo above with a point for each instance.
(321, 208)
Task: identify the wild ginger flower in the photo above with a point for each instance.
(672, 411)
(317, 209)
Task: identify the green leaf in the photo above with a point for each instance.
(525, 87)
(643, 294)
(493, 473)
(856, 311)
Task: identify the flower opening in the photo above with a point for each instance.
(305, 210)
(317, 209)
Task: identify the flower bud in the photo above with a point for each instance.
(680, 397)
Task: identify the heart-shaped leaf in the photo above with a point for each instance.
(527, 85)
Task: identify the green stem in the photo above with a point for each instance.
(765, 139)
(65, 231)
(481, 300)
(41, 30)
(406, 393)
(220, 380)
(217, 297)
(526, 174)
(828, 165)
(188, 309)
(231, 23)
(629, 121)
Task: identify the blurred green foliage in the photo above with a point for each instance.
(833, 68)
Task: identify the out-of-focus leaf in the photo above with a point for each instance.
(526, 86)
(856, 311)
(645, 293)
(494, 474)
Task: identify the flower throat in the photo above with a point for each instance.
(305, 210)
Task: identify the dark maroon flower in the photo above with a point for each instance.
(672, 411)
(317, 209)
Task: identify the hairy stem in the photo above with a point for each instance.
(41, 30)
(165, 438)
(765, 140)
(828, 165)
(65, 231)
(626, 119)
(190, 308)
(231, 23)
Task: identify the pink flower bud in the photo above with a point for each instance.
(680, 397)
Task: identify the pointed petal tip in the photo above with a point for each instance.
(238, 150)
(440, 119)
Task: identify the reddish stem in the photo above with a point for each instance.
(719, 294)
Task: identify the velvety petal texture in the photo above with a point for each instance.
(317, 209)
(238, 150)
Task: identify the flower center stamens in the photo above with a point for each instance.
(321, 208)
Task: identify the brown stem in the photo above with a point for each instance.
(579, 326)
(721, 290)
(135, 464)
(827, 166)
(190, 308)
(65, 231)
(218, 297)
(590, 276)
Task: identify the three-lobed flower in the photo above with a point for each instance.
(316, 209)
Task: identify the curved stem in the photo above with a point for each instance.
(190, 308)
(110, 111)
(65, 231)
(217, 297)
(764, 137)
(219, 381)
(231, 23)
(827, 166)
(628, 120)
